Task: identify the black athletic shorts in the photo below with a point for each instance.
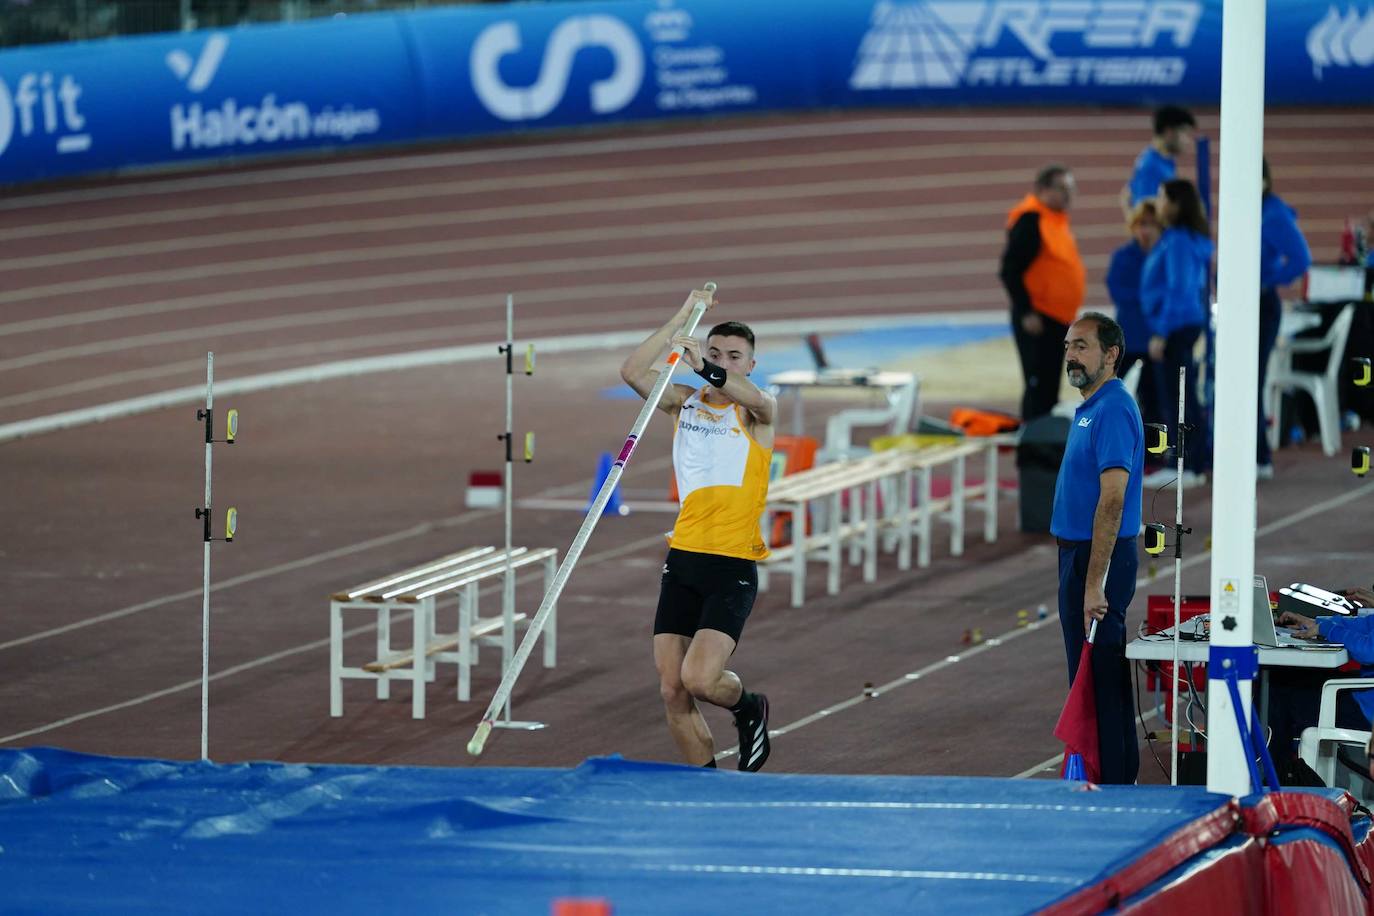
(705, 591)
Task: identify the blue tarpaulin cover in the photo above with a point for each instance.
(82, 833)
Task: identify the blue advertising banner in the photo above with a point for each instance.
(98, 106)
(489, 69)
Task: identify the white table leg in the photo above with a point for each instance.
(924, 526)
(335, 659)
(990, 494)
(956, 504)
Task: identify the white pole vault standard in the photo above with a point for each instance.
(1180, 440)
(603, 496)
(205, 600)
(508, 584)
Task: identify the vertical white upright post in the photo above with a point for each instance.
(205, 597)
(1180, 440)
(508, 588)
(1233, 490)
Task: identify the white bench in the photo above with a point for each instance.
(417, 590)
(904, 477)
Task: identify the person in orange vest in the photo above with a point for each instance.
(1045, 279)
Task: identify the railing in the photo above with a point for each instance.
(33, 22)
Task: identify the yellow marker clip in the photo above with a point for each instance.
(231, 523)
(529, 447)
(1359, 460)
(529, 360)
(1363, 373)
(1154, 540)
(231, 426)
(1160, 444)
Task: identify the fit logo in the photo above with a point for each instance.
(198, 73)
(531, 103)
(43, 105)
(1085, 422)
(1341, 41)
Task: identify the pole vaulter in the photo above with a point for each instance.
(703, 298)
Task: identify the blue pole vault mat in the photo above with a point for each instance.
(82, 833)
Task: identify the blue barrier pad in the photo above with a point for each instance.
(493, 68)
(100, 834)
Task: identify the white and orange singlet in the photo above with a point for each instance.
(722, 481)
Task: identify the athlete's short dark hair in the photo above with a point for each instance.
(733, 329)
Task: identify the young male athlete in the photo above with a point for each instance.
(722, 449)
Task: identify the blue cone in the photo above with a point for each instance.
(603, 470)
(1074, 769)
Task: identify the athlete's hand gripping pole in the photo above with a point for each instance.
(603, 496)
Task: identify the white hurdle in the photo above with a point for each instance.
(417, 591)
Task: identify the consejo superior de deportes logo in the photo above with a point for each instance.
(1342, 40)
(530, 103)
(944, 43)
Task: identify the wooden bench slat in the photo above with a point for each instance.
(441, 643)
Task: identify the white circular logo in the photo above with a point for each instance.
(6, 116)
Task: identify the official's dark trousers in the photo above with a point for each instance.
(1270, 314)
(1178, 352)
(1042, 365)
(1118, 747)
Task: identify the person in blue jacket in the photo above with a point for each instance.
(1284, 257)
(1174, 128)
(1123, 284)
(1295, 693)
(1173, 298)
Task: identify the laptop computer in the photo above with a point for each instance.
(1267, 634)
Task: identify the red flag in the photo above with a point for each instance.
(1077, 726)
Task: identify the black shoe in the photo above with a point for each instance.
(753, 734)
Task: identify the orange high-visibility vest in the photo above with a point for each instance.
(1056, 279)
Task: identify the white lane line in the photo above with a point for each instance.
(464, 353)
(430, 335)
(226, 584)
(698, 228)
(353, 199)
(510, 269)
(903, 269)
(671, 138)
(716, 137)
(615, 553)
(678, 171)
(385, 226)
(997, 641)
(590, 560)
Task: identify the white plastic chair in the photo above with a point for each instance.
(1319, 744)
(1322, 387)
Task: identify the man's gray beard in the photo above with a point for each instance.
(1088, 378)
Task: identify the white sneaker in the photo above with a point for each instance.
(1264, 472)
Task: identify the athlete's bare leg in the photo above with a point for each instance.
(685, 722)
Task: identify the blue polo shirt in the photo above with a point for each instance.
(1152, 169)
(1106, 433)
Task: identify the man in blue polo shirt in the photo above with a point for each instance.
(1096, 519)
